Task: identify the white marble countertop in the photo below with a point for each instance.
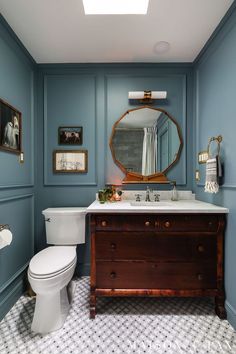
(167, 206)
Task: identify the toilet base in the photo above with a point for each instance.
(51, 310)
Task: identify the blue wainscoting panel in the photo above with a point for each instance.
(69, 100)
(117, 88)
(18, 213)
(215, 87)
(16, 88)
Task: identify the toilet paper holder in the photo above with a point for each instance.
(4, 227)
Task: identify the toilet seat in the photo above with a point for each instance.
(52, 261)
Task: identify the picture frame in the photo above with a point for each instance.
(70, 161)
(10, 128)
(70, 135)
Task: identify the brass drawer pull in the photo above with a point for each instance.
(104, 223)
(113, 246)
(167, 224)
(113, 275)
(200, 277)
(147, 223)
(200, 248)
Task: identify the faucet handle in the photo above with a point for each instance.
(157, 199)
(138, 197)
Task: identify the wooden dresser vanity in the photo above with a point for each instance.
(157, 254)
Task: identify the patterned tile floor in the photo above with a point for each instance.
(123, 325)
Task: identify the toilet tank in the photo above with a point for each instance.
(65, 226)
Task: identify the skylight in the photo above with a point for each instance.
(115, 7)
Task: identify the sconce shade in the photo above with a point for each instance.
(139, 95)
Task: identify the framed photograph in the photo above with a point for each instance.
(10, 128)
(70, 135)
(70, 161)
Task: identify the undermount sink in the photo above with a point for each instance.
(150, 204)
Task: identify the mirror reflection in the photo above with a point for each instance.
(146, 141)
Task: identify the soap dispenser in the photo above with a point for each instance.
(174, 196)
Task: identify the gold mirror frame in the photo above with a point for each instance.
(133, 177)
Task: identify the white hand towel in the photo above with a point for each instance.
(212, 176)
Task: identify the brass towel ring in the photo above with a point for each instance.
(217, 139)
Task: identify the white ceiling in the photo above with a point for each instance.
(57, 31)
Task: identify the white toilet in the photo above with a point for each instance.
(50, 271)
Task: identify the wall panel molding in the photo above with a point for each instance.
(45, 134)
(201, 185)
(184, 111)
(25, 143)
(22, 268)
(17, 197)
(16, 186)
(16, 275)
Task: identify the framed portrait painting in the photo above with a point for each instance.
(70, 135)
(70, 161)
(10, 128)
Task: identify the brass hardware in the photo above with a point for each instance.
(200, 277)
(167, 224)
(4, 227)
(200, 248)
(203, 157)
(156, 223)
(147, 97)
(104, 223)
(21, 157)
(147, 223)
(113, 275)
(197, 175)
(113, 246)
(218, 139)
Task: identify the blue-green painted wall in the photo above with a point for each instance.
(95, 96)
(17, 87)
(215, 112)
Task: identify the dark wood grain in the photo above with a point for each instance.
(154, 246)
(151, 275)
(157, 255)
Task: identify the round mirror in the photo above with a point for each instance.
(145, 143)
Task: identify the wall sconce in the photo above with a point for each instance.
(147, 96)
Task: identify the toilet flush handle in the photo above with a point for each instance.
(48, 220)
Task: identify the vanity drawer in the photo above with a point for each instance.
(128, 222)
(157, 222)
(188, 223)
(154, 246)
(154, 275)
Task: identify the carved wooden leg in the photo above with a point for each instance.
(92, 306)
(220, 307)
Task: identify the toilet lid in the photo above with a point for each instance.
(52, 260)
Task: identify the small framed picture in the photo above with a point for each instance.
(10, 128)
(70, 161)
(70, 135)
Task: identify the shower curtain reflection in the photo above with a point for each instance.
(149, 158)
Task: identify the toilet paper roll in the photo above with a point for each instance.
(5, 238)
